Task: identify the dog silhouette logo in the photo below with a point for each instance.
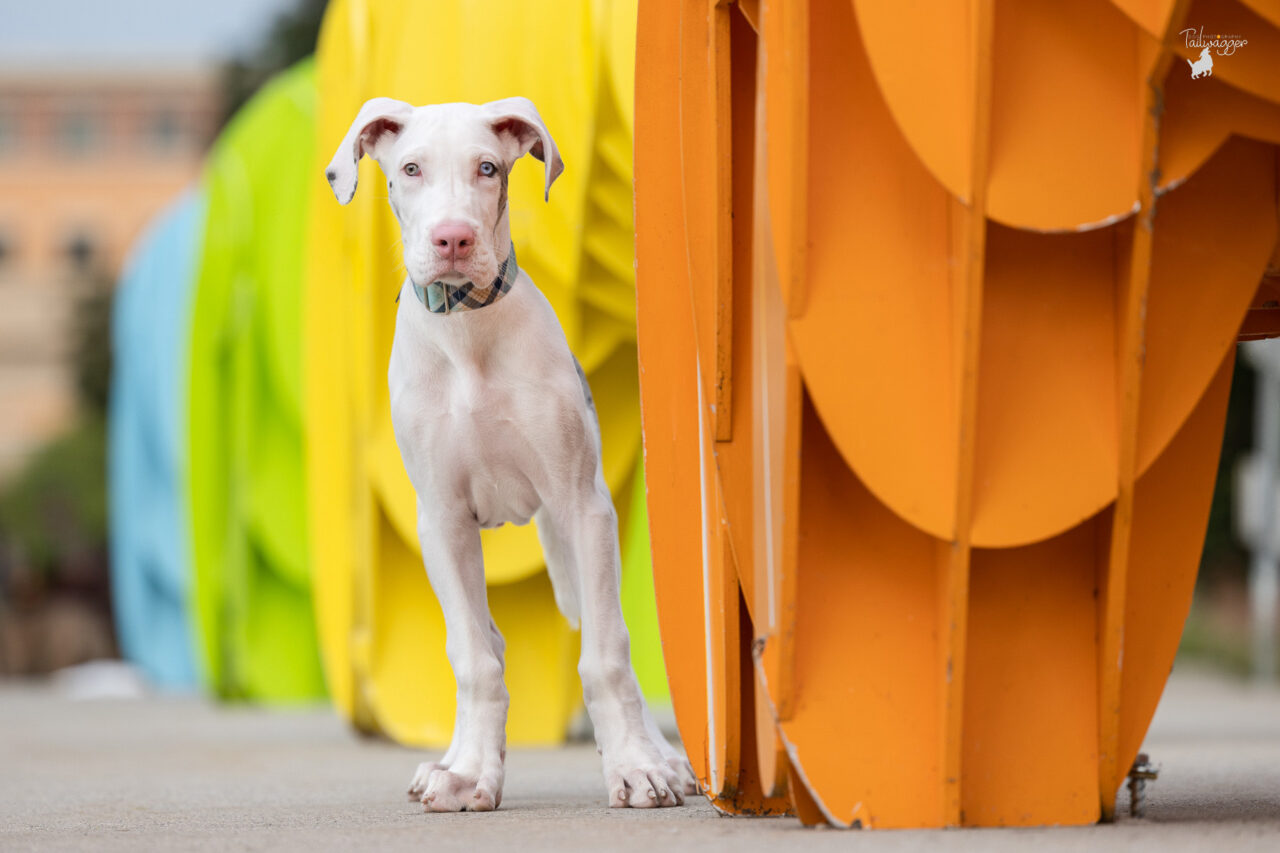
(1202, 67)
(1222, 45)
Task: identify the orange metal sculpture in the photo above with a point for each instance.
(937, 314)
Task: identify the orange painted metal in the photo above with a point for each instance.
(937, 309)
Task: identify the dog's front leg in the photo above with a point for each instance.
(641, 768)
(471, 774)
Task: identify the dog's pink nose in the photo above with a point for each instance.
(453, 240)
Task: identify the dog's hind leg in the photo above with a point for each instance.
(558, 552)
(471, 775)
(641, 768)
(557, 548)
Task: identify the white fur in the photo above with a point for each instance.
(494, 427)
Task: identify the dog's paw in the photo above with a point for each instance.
(639, 777)
(687, 782)
(453, 792)
(644, 787)
(684, 773)
(421, 779)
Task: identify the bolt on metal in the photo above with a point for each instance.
(1142, 770)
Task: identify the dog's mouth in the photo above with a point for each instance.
(425, 268)
(456, 274)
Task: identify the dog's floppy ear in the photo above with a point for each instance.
(519, 117)
(378, 120)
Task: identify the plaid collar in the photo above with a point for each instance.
(441, 298)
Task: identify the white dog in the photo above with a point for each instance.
(496, 424)
(1203, 66)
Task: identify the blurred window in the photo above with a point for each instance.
(164, 130)
(81, 251)
(78, 132)
(9, 128)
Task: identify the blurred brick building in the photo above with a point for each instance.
(86, 158)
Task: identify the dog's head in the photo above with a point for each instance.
(446, 168)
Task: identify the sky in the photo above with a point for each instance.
(46, 34)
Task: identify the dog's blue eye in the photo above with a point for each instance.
(411, 169)
(488, 169)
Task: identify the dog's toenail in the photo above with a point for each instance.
(652, 795)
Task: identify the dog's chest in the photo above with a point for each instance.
(473, 433)
(483, 438)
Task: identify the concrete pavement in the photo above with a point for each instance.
(184, 774)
